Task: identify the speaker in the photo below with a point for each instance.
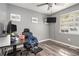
(51, 19)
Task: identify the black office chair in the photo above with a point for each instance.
(28, 46)
(29, 49)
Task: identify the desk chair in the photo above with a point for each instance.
(29, 48)
(32, 43)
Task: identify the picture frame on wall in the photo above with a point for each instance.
(34, 20)
(69, 22)
(15, 17)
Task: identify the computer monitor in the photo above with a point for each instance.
(11, 28)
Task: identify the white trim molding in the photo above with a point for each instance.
(44, 40)
(71, 46)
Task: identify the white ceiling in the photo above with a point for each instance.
(43, 9)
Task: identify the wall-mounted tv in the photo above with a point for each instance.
(51, 19)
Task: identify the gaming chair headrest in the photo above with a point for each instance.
(26, 30)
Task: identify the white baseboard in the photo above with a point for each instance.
(72, 46)
(44, 40)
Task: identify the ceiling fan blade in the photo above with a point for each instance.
(59, 4)
(42, 4)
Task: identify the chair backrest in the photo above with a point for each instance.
(26, 30)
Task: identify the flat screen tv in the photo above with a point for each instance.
(51, 19)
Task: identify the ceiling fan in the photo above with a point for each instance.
(50, 5)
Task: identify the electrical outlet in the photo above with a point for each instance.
(69, 39)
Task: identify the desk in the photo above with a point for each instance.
(17, 42)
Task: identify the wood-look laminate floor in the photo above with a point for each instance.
(52, 49)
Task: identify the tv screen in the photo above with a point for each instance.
(51, 19)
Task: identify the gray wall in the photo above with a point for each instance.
(40, 30)
(4, 20)
(3, 13)
(54, 32)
